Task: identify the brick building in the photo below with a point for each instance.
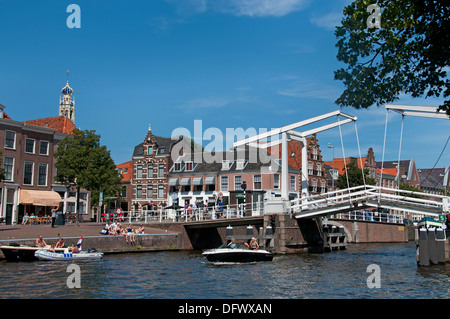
(151, 162)
(29, 165)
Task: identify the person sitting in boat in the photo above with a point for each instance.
(40, 242)
(253, 245)
(59, 243)
(232, 244)
(75, 249)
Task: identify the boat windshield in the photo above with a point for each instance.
(236, 245)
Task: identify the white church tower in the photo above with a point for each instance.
(67, 104)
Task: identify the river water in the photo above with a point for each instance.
(187, 275)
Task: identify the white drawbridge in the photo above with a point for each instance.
(356, 198)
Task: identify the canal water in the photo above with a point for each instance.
(187, 275)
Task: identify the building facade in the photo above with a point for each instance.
(151, 162)
(220, 182)
(29, 167)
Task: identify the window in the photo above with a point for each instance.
(10, 139)
(225, 164)
(161, 150)
(177, 167)
(150, 171)
(139, 191)
(161, 170)
(315, 156)
(240, 164)
(28, 173)
(257, 182)
(149, 191)
(276, 181)
(43, 148)
(29, 145)
(322, 187)
(139, 171)
(42, 174)
(292, 183)
(124, 192)
(238, 183)
(160, 191)
(150, 150)
(8, 166)
(224, 183)
(189, 166)
(319, 170)
(314, 185)
(310, 168)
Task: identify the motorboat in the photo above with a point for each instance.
(237, 253)
(18, 252)
(68, 255)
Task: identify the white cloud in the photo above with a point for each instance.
(329, 21)
(309, 89)
(252, 8)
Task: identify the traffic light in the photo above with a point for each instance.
(272, 222)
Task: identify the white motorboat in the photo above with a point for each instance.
(67, 255)
(238, 254)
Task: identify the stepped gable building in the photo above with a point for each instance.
(151, 162)
(317, 178)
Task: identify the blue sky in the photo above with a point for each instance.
(248, 64)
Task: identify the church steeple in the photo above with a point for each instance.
(67, 104)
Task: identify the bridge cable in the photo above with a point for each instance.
(360, 158)
(343, 154)
(399, 151)
(382, 160)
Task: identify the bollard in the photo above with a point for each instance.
(424, 259)
(229, 234)
(249, 232)
(432, 252)
(269, 232)
(440, 245)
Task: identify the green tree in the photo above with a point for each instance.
(355, 177)
(83, 163)
(408, 54)
(407, 187)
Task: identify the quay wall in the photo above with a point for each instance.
(361, 231)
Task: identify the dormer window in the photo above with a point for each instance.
(150, 150)
(177, 167)
(226, 164)
(240, 164)
(189, 166)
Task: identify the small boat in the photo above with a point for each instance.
(238, 254)
(67, 255)
(18, 252)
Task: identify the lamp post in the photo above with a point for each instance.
(332, 175)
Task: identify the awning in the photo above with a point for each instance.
(173, 181)
(185, 181)
(197, 181)
(210, 180)
(39, 198)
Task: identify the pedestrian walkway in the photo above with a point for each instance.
(10, 232)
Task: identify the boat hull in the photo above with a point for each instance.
(237, 255)
(67, 256)
(15, 252)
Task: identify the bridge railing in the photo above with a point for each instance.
(374, 196)
(191, 214)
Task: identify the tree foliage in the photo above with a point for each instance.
(83, 163)
(408, 54)
(355, 177)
